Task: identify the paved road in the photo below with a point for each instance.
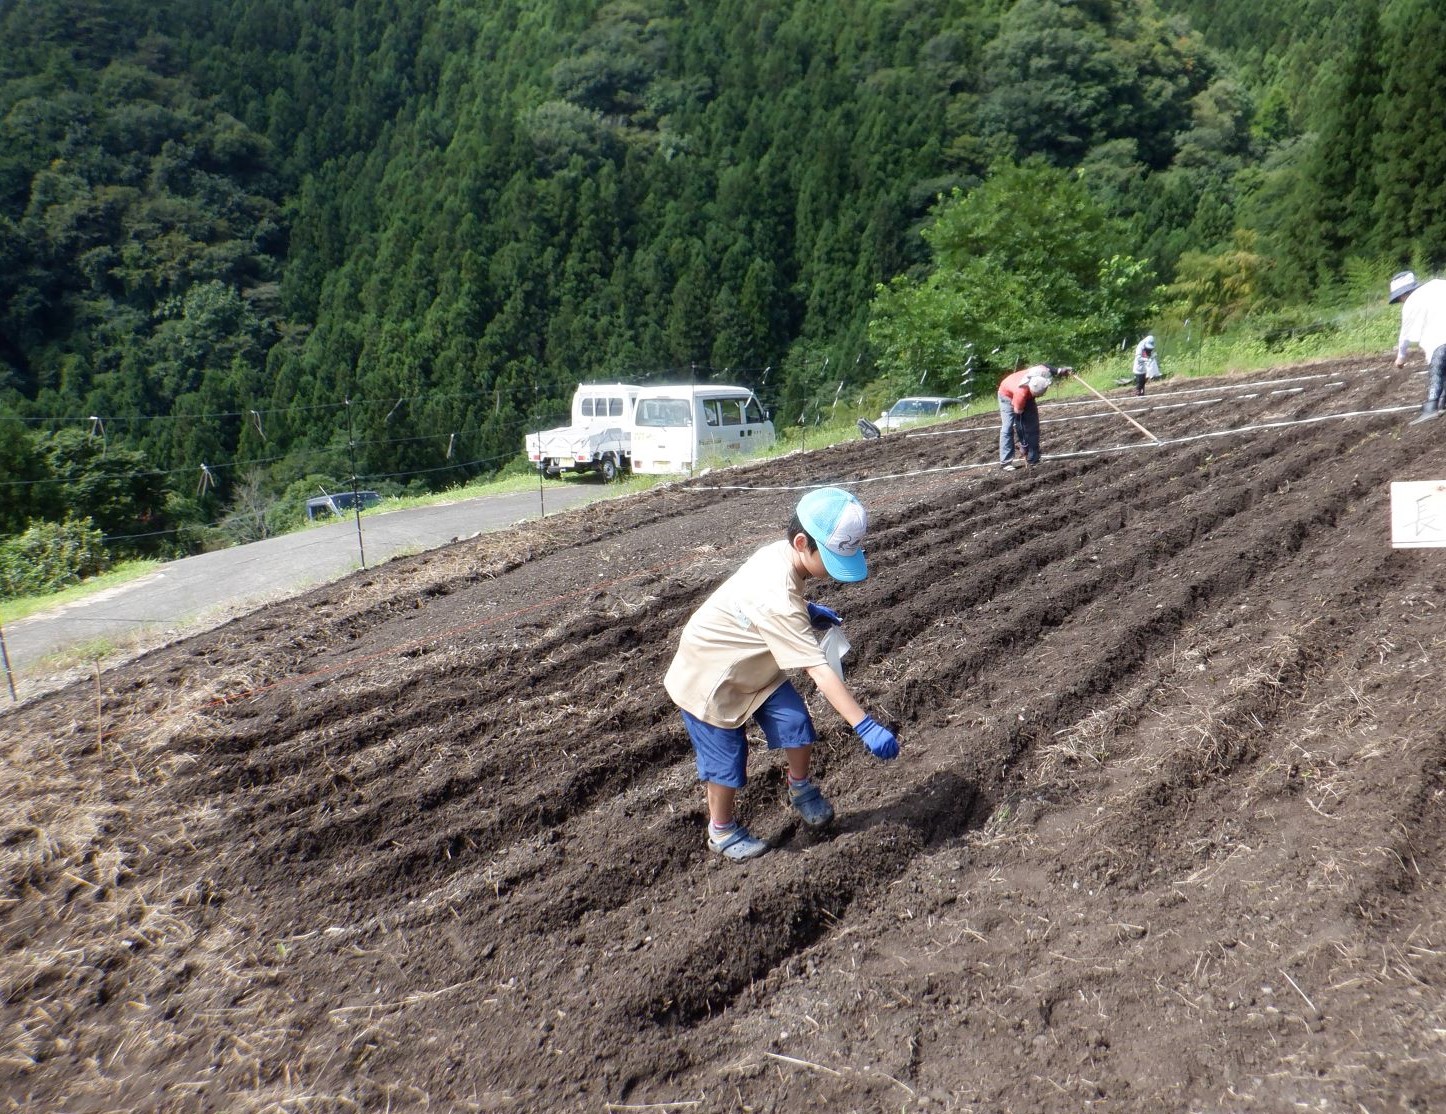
(183, 593)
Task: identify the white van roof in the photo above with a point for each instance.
(689, 390)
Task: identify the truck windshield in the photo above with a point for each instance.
(662, 412)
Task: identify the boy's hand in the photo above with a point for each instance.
(823, 617)
(882, 742)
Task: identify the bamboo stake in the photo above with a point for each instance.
(1107, 402)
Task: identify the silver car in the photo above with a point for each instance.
(918, 408)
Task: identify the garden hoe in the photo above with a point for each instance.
(1117, 410)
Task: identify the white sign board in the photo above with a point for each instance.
(1418, 513)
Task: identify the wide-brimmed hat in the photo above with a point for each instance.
(1402, 283)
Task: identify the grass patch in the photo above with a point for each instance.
(92, 651)
(1260, 343)
(13, 610)
(510, 485)
(477, 489)
(805, 438)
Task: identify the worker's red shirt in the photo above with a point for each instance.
(1015, 389)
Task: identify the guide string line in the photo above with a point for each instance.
(1165, 442)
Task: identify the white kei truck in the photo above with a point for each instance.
(599, 438)
(685, 428)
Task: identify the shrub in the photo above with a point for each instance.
(50, 556)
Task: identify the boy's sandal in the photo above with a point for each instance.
(812, 805)
(738, 845)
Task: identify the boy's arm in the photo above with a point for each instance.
(837, 694)
(882, 742)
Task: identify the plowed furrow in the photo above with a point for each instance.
(1005, 602)
(740, 943)
(1266, 687)
(472, 793)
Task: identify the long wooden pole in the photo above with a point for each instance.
(1117, 410)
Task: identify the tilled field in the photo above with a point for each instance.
(1166, 832)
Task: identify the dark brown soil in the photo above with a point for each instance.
(1166, 833)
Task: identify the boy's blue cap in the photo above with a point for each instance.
(837, 521)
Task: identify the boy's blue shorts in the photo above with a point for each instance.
(723, 751)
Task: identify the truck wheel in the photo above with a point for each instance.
(608, 467)
(551, 471)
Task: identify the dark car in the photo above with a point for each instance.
(341, 502)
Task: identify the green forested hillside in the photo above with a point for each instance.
(282, 239)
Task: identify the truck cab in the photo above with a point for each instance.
(601, 405)
(599, 438)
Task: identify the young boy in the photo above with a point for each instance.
(730, 665)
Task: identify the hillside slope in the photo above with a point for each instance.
(1167, 830)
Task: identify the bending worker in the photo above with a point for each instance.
(1018, 413)
(1423, 322)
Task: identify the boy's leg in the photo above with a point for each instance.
(721, 799)
(722, 755)
(787, 725)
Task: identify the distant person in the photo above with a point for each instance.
(731, 659)
(1019, 413)
(1146, 366)
(1423, 322)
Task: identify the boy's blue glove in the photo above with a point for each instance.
(882, 742)
(823, 617)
